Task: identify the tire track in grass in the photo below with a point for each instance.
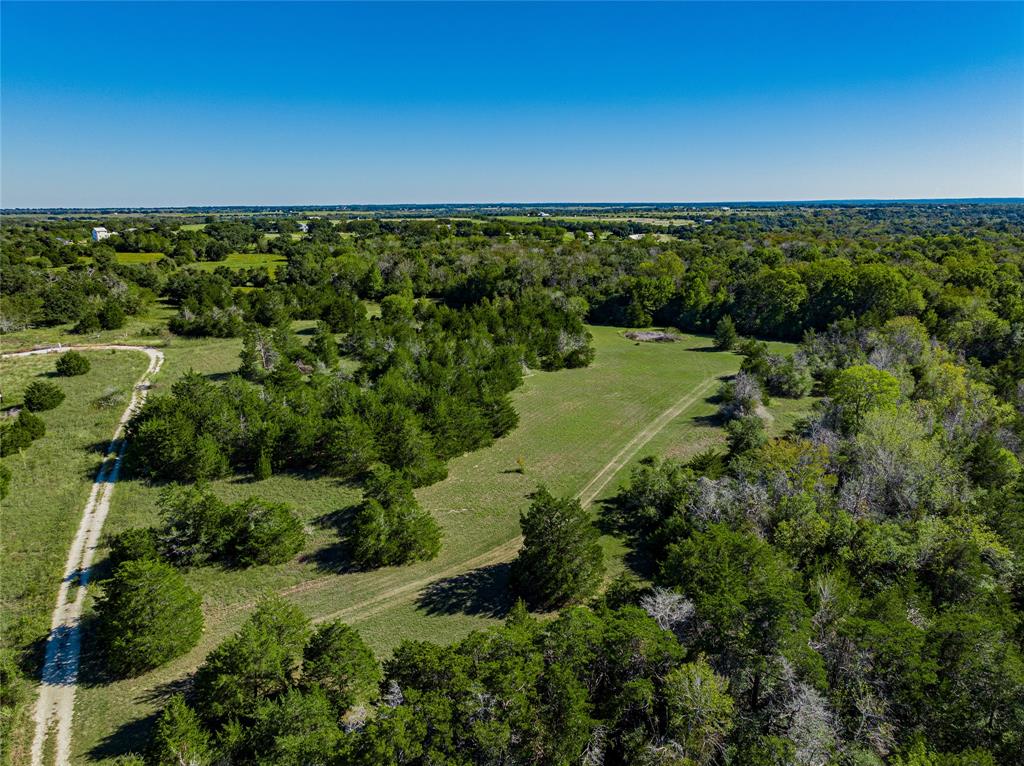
(508, 549)
(55, 705)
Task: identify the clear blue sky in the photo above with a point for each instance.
(207, 103)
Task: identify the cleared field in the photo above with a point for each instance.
(50, 483)
(241, 261)
(138, 257)
(575, 425)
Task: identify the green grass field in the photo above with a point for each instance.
(138, 257)
(241, 261)
(573, 424)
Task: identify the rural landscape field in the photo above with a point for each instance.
(330, 437)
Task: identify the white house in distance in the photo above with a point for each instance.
(99, 232)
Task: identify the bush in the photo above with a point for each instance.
(21, 433)
(561, 560)
(88, 322)
(133, 545)
(41, 395)
(744, 434)
(267, 533)
(72, 363)
(5, 481)
(112, 316)
(148, 615)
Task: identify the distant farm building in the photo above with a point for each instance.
(304, 228)
(100, 232)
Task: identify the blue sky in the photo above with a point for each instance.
(141, 104)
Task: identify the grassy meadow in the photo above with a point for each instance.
(573, 424)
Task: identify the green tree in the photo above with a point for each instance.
(725, 334)
(72, 363)
(339, 661)
(266, 533)
(860, 389)
(41, 395)
(111, 315)
(561, 560)
(256, 664)
(179, 737)
(147, 616)
(699, 710)
(390, 528)
(323, 345)
(748, 591)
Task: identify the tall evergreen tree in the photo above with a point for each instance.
(561, 560)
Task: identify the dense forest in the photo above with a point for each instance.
(851, 593)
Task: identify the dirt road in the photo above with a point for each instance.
(56, 703)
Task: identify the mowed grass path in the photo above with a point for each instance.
(572, 423)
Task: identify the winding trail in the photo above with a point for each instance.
(55, 706)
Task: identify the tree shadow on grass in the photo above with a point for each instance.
(128, 738)
(615, 519)
(335, 558)
(483, 592)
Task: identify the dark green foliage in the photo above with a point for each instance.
(5, 481)
(42, 395)
(147, 616)
(745, 434)
(112, 315)
(134, 544)
(265, 533)
(323, 345)
(256, 664)
(179, 738)
(18, 435)
(725, 334)
(561, 561)
(199, 527)
(338, 661)
(72, 363)
(389, 527)
(746, 590)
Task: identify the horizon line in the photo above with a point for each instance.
(551, 203)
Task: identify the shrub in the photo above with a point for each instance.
(133, 545)
(267, 533)
(72, 363)
(5, 481)
(561, 560)
(21, 433)
(88, 322)
(112, 316)
(41, 395)
(148, 615)
(744, 434)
